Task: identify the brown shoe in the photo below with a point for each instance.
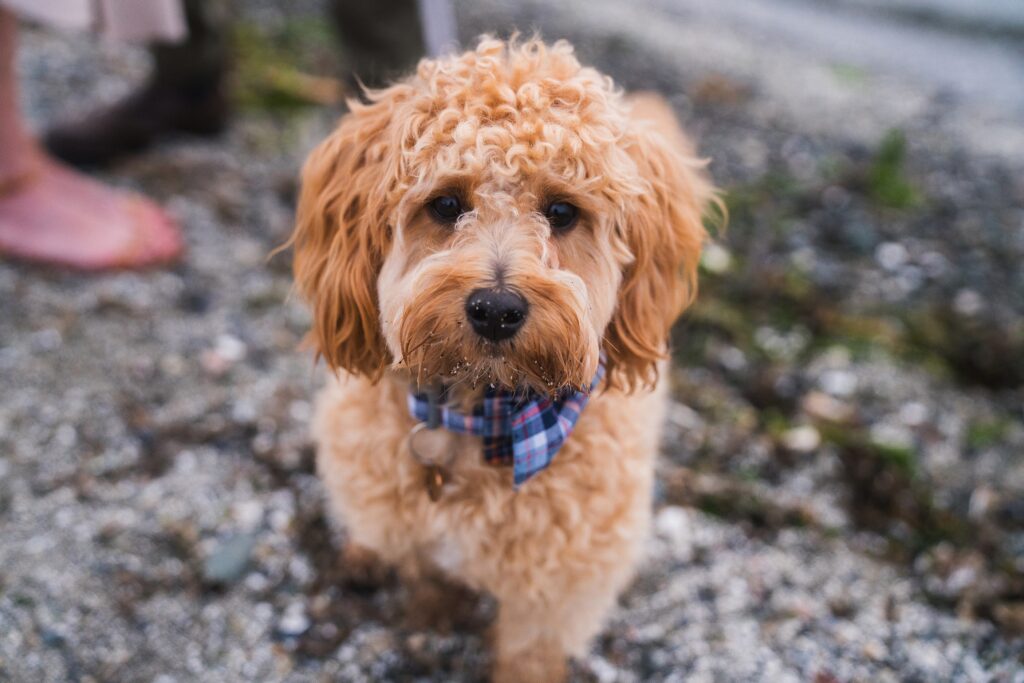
(136, 122)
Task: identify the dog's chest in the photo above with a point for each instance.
(464, 516)
(447, 554)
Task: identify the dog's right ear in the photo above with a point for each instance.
(342, 234)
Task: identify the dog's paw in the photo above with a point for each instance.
(361, 568)
(543, 667)
(435, 604)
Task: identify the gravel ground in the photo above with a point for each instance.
(840, 497)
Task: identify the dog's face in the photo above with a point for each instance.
(498, 218)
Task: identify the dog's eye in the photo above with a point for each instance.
(446, 208)
(562, 216)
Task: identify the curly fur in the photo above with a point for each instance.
(508, 128)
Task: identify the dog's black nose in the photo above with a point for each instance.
(496, 314)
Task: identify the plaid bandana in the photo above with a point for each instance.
(523, 431)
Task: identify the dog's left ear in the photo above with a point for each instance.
(342, 234)
(664, 231)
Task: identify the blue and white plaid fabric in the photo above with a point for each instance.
(523, 431)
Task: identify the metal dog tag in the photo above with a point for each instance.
(435, 478)
(433, 449)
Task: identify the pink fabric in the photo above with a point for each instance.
(128, 20)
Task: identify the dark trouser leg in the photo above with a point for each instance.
(380, 39)
(200, 63)
(185, 92)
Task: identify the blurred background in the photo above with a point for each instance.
(841, 496)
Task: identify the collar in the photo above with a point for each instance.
(525, 431)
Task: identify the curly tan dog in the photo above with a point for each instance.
(482, 245)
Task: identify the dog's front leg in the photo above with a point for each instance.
(527, 646)
(534, 637)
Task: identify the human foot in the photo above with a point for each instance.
(52, 214)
